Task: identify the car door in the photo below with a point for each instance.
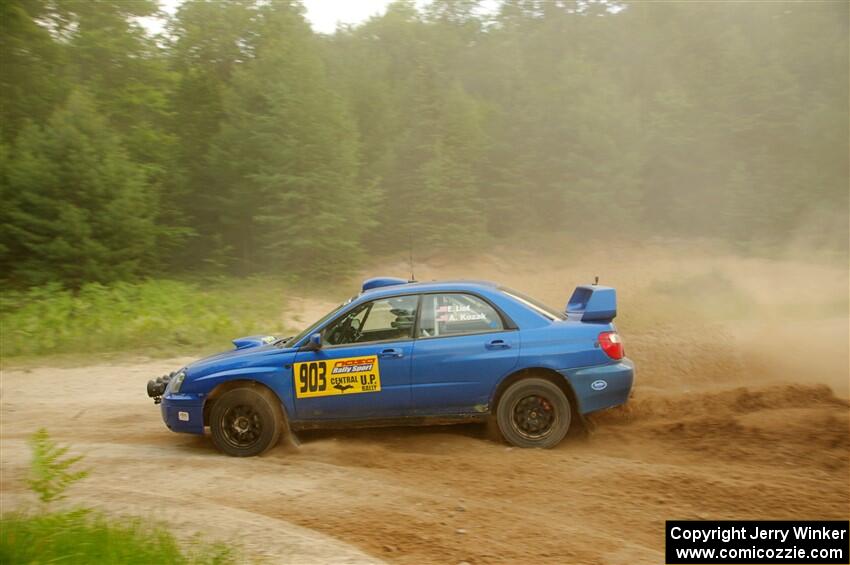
(362, 370)
(463, 348)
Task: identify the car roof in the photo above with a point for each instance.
(430, 286)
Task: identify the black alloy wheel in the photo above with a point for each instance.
(533, 412)
(246, 421)
(533, 417)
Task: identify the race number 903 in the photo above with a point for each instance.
(313, 377)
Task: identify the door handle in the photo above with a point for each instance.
(498, 344)
(392, 353)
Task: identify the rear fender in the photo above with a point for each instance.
(541, 372)
(563, 344)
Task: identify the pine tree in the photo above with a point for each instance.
(76, 208)
(209, 41)
(286, 160)
(31, 64)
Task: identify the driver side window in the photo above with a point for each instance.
(380, 320)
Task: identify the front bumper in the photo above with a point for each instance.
(183, 412)
(601, 386)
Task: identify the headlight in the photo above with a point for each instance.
(176, 382)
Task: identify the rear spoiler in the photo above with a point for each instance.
(592, 303)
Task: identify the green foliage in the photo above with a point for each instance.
(82, 536)
(31, 60)
(285, 159)
(76, 207)
(159, 315)
(243, 142)
(50, 470)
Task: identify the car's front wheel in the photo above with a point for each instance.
(246, 421)
(533, 412)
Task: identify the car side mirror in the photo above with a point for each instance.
(315, 342)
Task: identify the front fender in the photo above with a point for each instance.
(278, 379)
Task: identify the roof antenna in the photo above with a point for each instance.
(412, 276)
(596, 280)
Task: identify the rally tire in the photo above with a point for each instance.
(533, 412)
(246, 421)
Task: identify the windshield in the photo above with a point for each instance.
(311, 329)
(535, 305)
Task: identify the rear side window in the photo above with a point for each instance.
(456, 314)
(535, 305)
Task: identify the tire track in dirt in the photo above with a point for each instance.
(447, 494)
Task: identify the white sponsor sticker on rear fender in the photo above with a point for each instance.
(599, 385)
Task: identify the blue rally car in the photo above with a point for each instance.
(405, 352)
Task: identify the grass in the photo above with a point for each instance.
(153, 316)
(82, 536)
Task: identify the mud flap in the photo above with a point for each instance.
(586, 427)
(292, 438)
(289, 434)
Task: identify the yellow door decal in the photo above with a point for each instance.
(337, 376)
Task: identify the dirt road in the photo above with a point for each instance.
(718, 428)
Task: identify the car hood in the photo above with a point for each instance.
(247, 355)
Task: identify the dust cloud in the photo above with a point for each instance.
(740, 411)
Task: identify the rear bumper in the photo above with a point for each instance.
(183, 413)
(602, 386)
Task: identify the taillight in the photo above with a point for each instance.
(611, 344)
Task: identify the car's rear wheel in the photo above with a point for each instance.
(533, 412)
(246, 421)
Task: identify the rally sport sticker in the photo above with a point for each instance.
(337, 376)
